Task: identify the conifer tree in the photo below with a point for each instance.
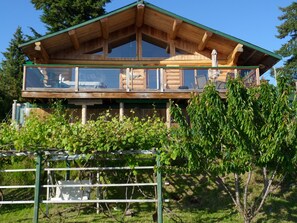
(62, 14)
(11, 73)
(288, 29)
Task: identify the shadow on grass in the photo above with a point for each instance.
(281, 206)
(191, 193)
(17, 194)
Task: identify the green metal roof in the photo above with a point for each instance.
(166, 13)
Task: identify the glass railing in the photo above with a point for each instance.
(48, 77)
(146, 79)
(95, 78)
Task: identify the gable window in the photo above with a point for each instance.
(123, 49)
(152, 48)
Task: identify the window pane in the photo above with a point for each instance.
(127, 50)
(151, 50)
(202, 78)
(189, 78)
(151, 79)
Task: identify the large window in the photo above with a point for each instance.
(127, 48)
(152, 50)
(123, 50)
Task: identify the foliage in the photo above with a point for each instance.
(288, 29)
(11, 73)
(252, 129)
(62, 14)
(104, 134)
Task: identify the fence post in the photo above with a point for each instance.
(159, 189)
(14, 108)
(37, 187)
(67, 177)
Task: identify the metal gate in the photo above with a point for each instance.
(81, 186)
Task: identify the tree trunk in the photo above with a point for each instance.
(248, 216)
(247, 220)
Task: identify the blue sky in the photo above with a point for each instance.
(254, 21)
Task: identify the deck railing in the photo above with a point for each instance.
(127, 79)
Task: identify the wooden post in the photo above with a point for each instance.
(127, 79)
(76, 79)
(168, 116)
(172, 48)
(235, 73)
(138, 43)
(257, 76)
(84, 114)
(24, 78)
(162, 79)
(121, 111)
(105, 48)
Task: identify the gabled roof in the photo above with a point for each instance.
(155, 23)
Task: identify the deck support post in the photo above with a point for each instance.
(121, 115)
(14, 108)
(84, 114)
(37, 187)
(168, 116)
(159, 190)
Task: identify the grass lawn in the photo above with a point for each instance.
(192, 199)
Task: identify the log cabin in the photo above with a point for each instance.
(137, 57)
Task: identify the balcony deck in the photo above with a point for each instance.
(78, 82)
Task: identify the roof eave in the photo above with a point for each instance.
(214, 31)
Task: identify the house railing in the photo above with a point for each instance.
(127, 79)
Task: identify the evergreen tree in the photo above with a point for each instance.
(288, 29)
(11, 73)
(61, 14)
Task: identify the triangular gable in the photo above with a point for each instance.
(80, 42)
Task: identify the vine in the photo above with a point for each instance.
(107, 133)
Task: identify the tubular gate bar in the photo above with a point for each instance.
(59, 156)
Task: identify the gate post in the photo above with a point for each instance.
(159, 189)
(37, 187)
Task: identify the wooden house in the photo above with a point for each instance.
(137, 57)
